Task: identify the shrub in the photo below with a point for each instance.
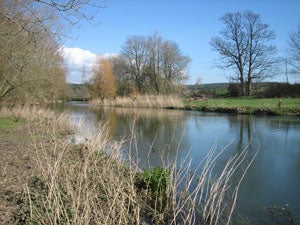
(234, 90)
(282, 90)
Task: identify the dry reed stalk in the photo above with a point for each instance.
(81, 184)
(210, 198)
(143, 101)
(91, 184)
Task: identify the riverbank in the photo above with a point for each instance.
(266, 106)
(255, 106)
(48, 177)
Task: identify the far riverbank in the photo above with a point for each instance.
(254, 106)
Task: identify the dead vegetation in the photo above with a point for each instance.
(61, 181)
(143, 101)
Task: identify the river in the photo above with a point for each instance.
(270, 191)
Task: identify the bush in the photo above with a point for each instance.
(234, 89)
(282, 90)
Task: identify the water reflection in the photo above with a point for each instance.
(157, 133)
(245, 130)
(273, 180)
(274, 177)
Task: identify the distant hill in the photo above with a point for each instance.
(210, 87)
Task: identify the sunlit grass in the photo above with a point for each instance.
(250, 102)
(277, 106)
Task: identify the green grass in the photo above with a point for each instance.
(275, 106)
(222, 92)
(7, 123)
(157, 179)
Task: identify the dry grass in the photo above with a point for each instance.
(143, 101)
(79, 183)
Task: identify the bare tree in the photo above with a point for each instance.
(30, 61)
(157, 65)
(245, 46)
(29, 68)
(155, 57)
(175, 65)
(294, 50)
(198, 82)
(135, 52)
(121, 72)
(41, 12)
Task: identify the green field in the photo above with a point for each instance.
(270, 106)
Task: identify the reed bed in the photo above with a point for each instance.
(144, 101)
(80, 183)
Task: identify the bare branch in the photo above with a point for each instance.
(244, 45)
(294, 51)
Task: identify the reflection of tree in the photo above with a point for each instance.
(245, 126)
(285, 123)
(109, 118)
(162, 134)
(112, 123)
(157, 131)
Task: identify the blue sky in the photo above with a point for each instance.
(189, 23)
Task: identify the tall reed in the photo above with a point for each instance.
(143, 101)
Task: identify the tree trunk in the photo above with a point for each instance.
(242, 80)
(249, 87)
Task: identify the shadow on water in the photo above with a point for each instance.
(270, 192)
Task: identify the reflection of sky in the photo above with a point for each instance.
(274, 177)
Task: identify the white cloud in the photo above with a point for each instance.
(78, 60)
(79, 63)
(108, 55)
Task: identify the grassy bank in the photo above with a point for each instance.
(268, 106)
(47, 177)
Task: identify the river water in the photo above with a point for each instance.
(270, 191)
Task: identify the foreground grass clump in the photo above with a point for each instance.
(271, 106)
(157, 179)
(8, 123)
(80, 183)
